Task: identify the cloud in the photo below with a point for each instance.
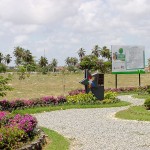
(20, 39)
(62, 27)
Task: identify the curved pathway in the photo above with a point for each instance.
(97, 129)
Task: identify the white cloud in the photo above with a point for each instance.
(20, 39)
(62, 27)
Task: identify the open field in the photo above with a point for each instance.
(57, 84)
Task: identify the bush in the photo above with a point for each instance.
(2, 68)
(148, 91)
(4, 104)
(81, 99)
(26, 103)
(16, 129)
(110, 95)
(10, 137)
(3, 118)
(107, 101)
(75, 92)
(25, 122)
(110, 101)
(147, 103)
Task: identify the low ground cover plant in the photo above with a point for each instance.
(118, 90)
(110, 97)
(81, 98)
(6, 105)
(147, 103)
(16, 130)
(74, 97)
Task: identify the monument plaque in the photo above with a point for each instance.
(94, 83)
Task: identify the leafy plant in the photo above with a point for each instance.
(21, 72)
(75, 92)
(2, 68)
(25, 122)
(81, 99)
(10, 137)
(147, 103)
(110, 95)
(4, 86)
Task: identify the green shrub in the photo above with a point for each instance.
(110, 95)
(81, 99)
(148, 91)
(147, 103)
(2, 68)
(109, 101)
(10, 137)
(21, 72)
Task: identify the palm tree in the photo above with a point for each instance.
(18, 53)
(105, 52)
(96, 51)
(67, 60)
(54, 64)
(27, 56)
(7, 59)
(81, 53)
(43, 61)
(1, 57)
(74, 61)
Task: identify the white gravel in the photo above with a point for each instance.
(97, 129)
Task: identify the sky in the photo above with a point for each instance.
(59, 28)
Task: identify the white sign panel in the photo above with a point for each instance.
(127, 58)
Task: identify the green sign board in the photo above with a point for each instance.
(128, 59)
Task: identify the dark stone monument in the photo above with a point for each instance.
(94, 83)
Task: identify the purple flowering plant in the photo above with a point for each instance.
(25, 122)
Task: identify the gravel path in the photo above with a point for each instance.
(97, 129)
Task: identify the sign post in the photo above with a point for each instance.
(128, 60)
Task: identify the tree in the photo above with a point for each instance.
(18, 53)
(68, 61)
(96, 51)
(81, 53)
(105, 53)
(21, 72)
(43, 61)
(54, 64)
(71, 61)
(3, 68)
(4, 86)
(74, 61)
(89, 62)
(7, 59)
(27, 57)
(104, 66)
(1, 57)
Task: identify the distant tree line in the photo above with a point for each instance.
(99, 59)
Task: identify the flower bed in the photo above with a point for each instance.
(16, 130)
(6, 105)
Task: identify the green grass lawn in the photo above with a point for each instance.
(38, 85)
(142, 96)
(55, 141)
(64, 107)
(134, 113)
